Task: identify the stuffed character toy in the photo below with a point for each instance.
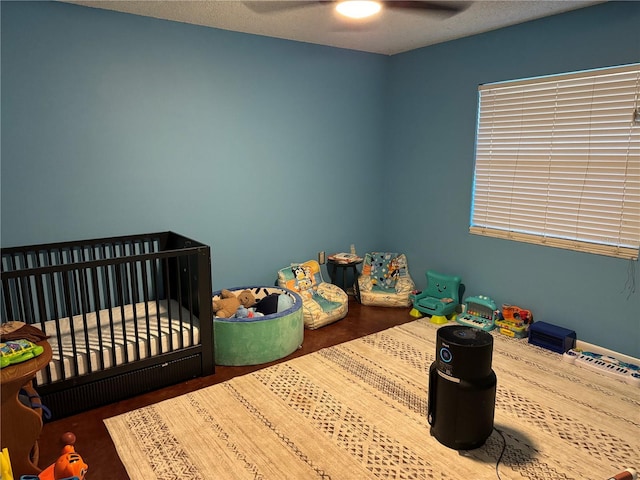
(227, 305)
(244, 312)
(68, 465)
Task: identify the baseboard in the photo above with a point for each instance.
(588, 347)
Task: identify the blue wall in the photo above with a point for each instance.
(116, 124)
(432, 119)
(270, 150)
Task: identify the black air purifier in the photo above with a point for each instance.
(462, 387)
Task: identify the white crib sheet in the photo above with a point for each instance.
(136, 348)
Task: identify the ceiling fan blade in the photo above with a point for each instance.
(276, 6)
(444, 7)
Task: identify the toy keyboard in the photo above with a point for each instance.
(479, 312)
(627, 372)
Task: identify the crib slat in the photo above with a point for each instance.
(167, 286)
(120, 302)
(133, 285)
(43, 314)
(145, 294)
(190, 295)
(56, 315)
(108, 284)
(97, 305)
(180, 302)
(157, 296)
(67, 302)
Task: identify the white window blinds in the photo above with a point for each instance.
(558, 161)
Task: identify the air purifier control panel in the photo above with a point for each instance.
(445, 355)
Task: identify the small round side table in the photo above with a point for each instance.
(21, 425)
(334, 267)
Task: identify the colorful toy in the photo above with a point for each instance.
(514, 321)
(68, 465)
(441, 297)
(17, 351)
(479, 312)
(515, 314)
(244, 312)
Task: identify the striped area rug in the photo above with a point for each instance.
(358, 411)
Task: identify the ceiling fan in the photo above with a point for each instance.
(442, 7)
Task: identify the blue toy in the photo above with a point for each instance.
(441, 298)
(244, 312)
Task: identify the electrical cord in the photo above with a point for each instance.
(504, 448)
(630, 284)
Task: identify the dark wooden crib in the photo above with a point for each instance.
(125, 315)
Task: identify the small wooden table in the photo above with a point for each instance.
(21, 425)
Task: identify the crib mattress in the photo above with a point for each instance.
(123, 338)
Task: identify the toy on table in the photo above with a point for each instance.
(17, 351)
(68, 466)
(514, 321)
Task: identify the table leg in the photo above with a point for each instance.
(331, 268)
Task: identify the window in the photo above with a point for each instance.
(558, 161)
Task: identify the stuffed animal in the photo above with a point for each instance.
(68, 465)
(244, 312)
(227, 305)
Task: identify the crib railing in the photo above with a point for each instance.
(56, 287)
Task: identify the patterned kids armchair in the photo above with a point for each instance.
(385, 280)
(322, 302)
(441, 297)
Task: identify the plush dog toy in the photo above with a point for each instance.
(227, 305)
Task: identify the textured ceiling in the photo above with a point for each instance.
(393, 31)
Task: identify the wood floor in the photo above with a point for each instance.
(94, 443)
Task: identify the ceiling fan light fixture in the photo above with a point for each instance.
(358, 9)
